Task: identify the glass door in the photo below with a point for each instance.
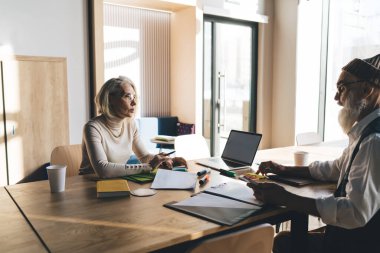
(229, 100)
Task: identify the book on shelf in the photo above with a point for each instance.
(167, 138)
(112, 188)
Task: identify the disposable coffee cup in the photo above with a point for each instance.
(300, 158)
(57, 177)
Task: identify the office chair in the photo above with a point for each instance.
(70, 155)
(308, 138)
(191, 146)
(257, 239)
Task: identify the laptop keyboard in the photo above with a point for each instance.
(233, 164)
(228, 163)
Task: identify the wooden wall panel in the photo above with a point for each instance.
(36, 105)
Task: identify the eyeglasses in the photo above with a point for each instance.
(342, 86)
(131, 97)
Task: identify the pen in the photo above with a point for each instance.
(227, 173)
(167, 154)
(204, 180)
(202, 172)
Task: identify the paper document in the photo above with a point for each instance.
(168, 179)
(235, 190)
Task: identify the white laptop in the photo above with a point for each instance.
(239, 152)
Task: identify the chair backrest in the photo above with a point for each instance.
(191, 146)
(148, 128)
(308, 138)
(70, 155)
(258, 239)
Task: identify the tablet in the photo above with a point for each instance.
(294, 181)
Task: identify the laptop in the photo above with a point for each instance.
(239, 152)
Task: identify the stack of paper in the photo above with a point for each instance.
(235, 190)
(168, 179)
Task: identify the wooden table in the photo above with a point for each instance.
(320, 152)
(76, 221)
(15, 233)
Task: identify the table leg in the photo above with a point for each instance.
(299, 229)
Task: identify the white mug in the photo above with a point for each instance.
(300, 158)
(57, 177)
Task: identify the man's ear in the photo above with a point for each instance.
(368, 91)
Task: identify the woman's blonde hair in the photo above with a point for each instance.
(111, 88)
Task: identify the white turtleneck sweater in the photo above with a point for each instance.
(108, 144)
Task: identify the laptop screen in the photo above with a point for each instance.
(241, 146)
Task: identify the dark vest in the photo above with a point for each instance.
(364, 239)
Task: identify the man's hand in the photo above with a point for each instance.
(270, 167)
(269, 193)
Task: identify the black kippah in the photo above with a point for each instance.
(366, 69)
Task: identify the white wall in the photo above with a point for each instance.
(52, 28)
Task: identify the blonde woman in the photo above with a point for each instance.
(110, 138)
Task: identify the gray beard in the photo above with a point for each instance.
(350, 113)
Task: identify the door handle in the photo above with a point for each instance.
(221, 103)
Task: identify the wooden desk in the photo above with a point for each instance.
(15, 233)
(76, 221)
(284, 155)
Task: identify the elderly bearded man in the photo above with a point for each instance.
(352, 214)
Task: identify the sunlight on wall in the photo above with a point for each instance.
(13, 107)
(16, 158)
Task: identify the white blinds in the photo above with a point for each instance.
(137, 45)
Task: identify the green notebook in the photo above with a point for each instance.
(141, 178)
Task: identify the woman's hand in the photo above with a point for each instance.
(173, 162)
(270, 167)
(270, 193)
(179, 161)
(158, 160)
(166, 162)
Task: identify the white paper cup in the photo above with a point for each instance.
(300, 158)
(57, 177)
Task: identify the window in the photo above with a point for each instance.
(137, 45)
(354, 32)
(330, 34)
